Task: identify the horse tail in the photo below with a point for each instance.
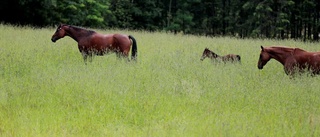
(134, 48)
(238, 57)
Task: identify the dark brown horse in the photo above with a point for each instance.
(92, 43)
(227, 58)
(293, 59)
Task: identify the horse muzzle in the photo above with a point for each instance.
(260, 67)
(53, 39)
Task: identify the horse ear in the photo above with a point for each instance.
(62, 23)
(262, 48)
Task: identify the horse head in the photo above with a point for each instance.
(60, 33)
(208, 53)
(264, 58)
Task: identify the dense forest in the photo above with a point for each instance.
(280, 19)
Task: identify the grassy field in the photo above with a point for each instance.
(47, 90)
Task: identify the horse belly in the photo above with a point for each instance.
(309, 63)
(104, 49)
(230, 57)
(94, 49)
(103, 46)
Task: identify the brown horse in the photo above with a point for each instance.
(293, 59)
(92, 43)
(227, 58)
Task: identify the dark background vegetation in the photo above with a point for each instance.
(280, 19)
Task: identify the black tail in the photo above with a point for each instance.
(134, 49)
(239, 58)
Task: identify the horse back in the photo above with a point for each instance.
(110, 41)
(308, 59)
(231, 57)
(102, 39)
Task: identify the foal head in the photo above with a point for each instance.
(264, 58)
(208, 53)
(60, 33)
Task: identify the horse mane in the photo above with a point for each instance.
(287, 48)
(280, 49)
(211, 52)
(87, 32)
(298, 49)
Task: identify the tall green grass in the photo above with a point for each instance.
(47, 90)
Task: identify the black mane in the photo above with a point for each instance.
(88, 32)
(212, 53)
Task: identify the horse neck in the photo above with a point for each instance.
(281, 55)
(213, 55)
(77, 33)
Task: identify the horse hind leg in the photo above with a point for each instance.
(238, 58)
(119, 55)
(123, 55)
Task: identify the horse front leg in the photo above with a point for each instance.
(90, 57)
(291, 69)
(83, 53)
(85, 57)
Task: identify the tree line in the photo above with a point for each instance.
(280, 19)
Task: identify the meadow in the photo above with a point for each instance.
(47, 90)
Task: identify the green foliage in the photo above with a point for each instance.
(82, 13)
(181, 22)
(237, 18)
(148, 14)
(121, 12)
